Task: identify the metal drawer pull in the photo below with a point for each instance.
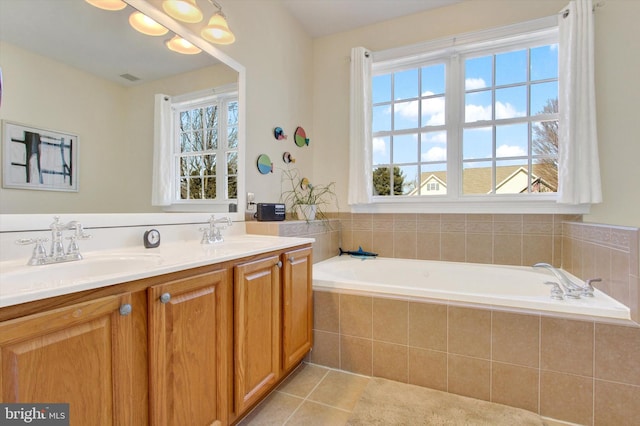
(125, 309)
(279, 264)
(165, 298)
(292, 259)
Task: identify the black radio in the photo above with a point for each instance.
(270, 211)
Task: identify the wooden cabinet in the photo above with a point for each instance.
(195, 347)
(80, 354)
(256, 328)
(188, 341)
(297, 306)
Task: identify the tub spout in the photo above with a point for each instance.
(570, 289)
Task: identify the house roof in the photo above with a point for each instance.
(477, 180)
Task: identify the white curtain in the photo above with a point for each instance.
(360, 175)
(578, 164)
(162, 152)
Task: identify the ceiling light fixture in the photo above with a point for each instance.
(108, 4)
(217, 30)
(183, 10)
(180, 45)
(142, 23)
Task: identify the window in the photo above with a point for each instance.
(475, 118)
(205, 147)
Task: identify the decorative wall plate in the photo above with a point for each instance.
(287, 158)
(300, 137)
(278, 133)
(264, 164)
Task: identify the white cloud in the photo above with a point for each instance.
(508, 111)
(379, 146)
(510, 151)
(435, 154)
(474, 83)
(480, 112)
(435, 137)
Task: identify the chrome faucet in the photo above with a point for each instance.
(57, 253)
(212, 234)
(569, 288)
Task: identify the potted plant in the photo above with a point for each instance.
(304, 198)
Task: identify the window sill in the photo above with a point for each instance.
(469, 206)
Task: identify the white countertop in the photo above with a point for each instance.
(20, 283)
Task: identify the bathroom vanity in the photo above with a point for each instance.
(198, 345)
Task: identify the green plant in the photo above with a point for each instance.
(299, 191)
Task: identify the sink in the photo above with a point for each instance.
(85, 269)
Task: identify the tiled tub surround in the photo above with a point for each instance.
(607, 252)
(583, 372)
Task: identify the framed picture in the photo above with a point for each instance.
(42, 159)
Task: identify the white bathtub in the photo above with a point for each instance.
(515, 287)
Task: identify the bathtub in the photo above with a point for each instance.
(493, 286)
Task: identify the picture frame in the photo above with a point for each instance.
(39, 159)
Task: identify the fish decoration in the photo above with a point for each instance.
(358, 253)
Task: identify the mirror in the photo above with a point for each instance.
(72, 68)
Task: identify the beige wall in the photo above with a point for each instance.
(617, 57)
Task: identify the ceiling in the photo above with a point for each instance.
(326, 17)
(73, 32)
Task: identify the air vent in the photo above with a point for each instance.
(129, 77)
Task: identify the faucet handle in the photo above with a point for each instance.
(556, 291)
(39, 252)
(589, 289)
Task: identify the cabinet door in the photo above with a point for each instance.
(256, 330)
(297, 310)
(81, 355)
(187, 350)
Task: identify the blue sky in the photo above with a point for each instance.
(510, 102)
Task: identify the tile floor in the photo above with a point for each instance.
(314, 395)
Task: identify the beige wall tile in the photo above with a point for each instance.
(537, 248)
(405, 245)
(390, 320)
(428, 326)
(620, 272)
(356, 355)
(452, 246)
(428, 368)
(617, 352)
(469, 377)
(428, 245)
(360, 238)
(507, 249)
(616, 404)
(390, 361)
(469, 332)
(326, 349)
(382, 243)
(479, 248)
(516, 338)
(356, 315)
(566, 397)
(566, 346)
(515, 386)
(326, 311)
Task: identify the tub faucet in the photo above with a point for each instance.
(569, 288)
(212, 234)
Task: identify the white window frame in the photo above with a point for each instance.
(540, 31)
(222, 95)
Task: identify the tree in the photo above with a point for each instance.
(382, 181)
(545, 135)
